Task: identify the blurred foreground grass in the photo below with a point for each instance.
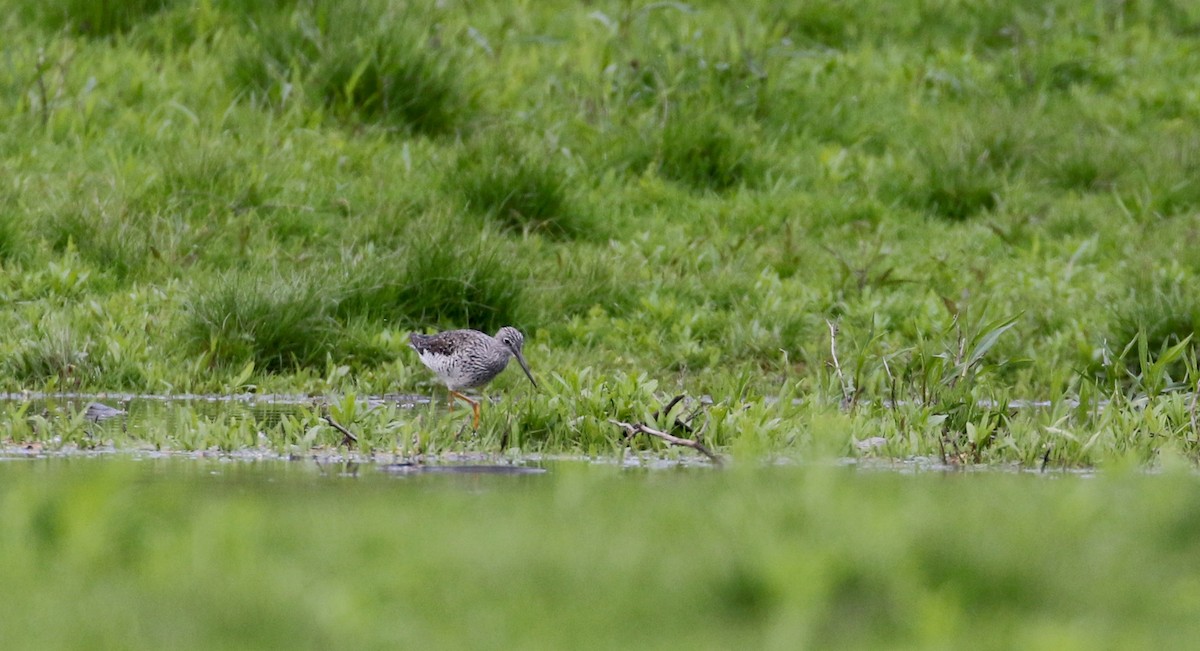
(168, 554)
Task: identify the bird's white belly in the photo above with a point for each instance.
(456, 373)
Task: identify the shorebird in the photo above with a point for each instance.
(468, 359)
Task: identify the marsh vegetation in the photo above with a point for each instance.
(988, 200)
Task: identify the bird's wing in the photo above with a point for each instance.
(438, 344)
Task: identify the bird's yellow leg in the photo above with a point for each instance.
(474, 406)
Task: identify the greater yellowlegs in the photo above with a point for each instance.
(467, 359)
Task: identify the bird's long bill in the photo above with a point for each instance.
(525, 367)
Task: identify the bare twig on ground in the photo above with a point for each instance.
(641, 428)
(348, 438)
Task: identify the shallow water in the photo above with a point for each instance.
(137, 415)
(138, 406)
(141, 416)
(241, 470)
(283, 402)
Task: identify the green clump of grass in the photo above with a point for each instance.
(520, 189)
(962, 175)
(210, 183)
(466, 285)
(1080, 72)
(272, 59)
(826, 23)
(93, 17)
(705, 155)
(284, 322)
(1159, 314)
(446, 277)
(978, 26)
(14, 244)
(1040, 69)
(363, 63)
(54, 353)
(1092, 164)
(117, 244)
(1172, 177)
(701, 152)
(585, 282)
(279, 322)
(392, 82)
(1177, 196)
(957, 193)
(953, 190)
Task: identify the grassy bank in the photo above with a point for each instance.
(991, 200)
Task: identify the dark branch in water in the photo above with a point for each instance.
(642, 428)
(348, 438)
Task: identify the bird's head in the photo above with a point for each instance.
(515, 342)
(511, 338)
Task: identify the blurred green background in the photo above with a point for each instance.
(193, 554)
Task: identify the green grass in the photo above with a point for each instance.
(99, 19)
(57, 355)
(519, 189)
(684, 193)
(276, 321)
(704, 153)
(190, 554)
(364, 63)
(438, 278)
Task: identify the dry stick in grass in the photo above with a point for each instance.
(41, 86)
(683, 424)
(1195, 396)
(669, 406)
(641, 428)
(847, 396)
(348, 438)
(686, 422)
